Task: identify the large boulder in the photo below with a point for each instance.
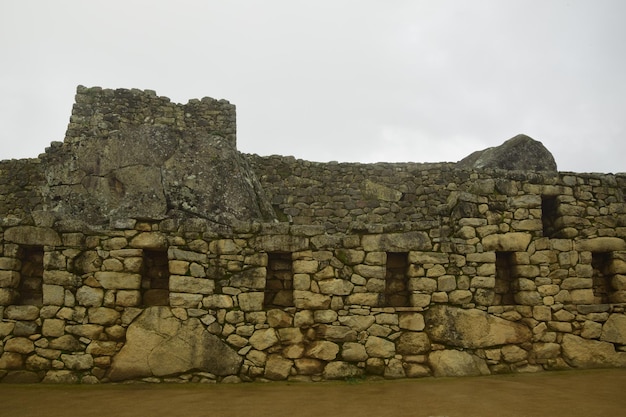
(130, 154)
(472, 328)
(520, 153)
(159, 344)
(583, 353)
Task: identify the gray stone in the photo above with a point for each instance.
(472, 328)
(520, 153)
(159, 344)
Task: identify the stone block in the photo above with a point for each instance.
(412, 343)
(21, 312)
(482, 282)
(472, 328)
(305, 300)
(411, 321)
(614, 329)
(103, 315)
(21, 345)
(397, 242)
(33, 236)
(118, 280)
(427, 258)
(420, 300)
(456, 363)
(127, 298)
(426, 285)
(251, 301)
(353, 352)
(9, 279)
(53, 328)
(378, 347)
(277, 368)
(460, 297)
(192, 285)
(263, 339)
(89, 296)
(336, 286)
(601, 244)
(53, 295)
(583, 296)
(323, 350)
(309, 366)
(301, 282)
(336, 333)
(507, 242)
(341, 370)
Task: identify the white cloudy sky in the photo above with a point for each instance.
(341, 80)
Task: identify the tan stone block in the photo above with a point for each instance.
(428, 257)
(305, 266)
(118, 280)
(507, 242)
(323, 350)
(336, 286)
(411, 321)
(20, 345)
(364, 298)
(310, 300)
(420, 300)
(460, 297)
(582, 296)
(31, 235)
(192, 285)
(127, 298)
(53, 295)
(601, 244)
(422, 284)
(378, 347)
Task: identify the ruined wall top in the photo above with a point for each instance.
(98, 113)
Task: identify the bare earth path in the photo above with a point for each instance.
(581, 393)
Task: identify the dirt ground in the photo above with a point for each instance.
(574, 393)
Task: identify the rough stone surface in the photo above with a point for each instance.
(456, 363)
(520, 153)
(159, 344)
(583, 353)
(472, 328)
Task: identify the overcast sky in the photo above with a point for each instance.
(422, 81)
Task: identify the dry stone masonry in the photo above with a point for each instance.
(145, 247)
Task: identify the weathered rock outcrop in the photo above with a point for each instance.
(520, 153)
(130, 154)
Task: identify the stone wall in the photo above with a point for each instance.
(369, 270)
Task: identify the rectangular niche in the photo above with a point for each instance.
(279, 281)
(31, 275)
(396, 283)
(549, 214)
(155, 278)
(602, 289)
(504, 290)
